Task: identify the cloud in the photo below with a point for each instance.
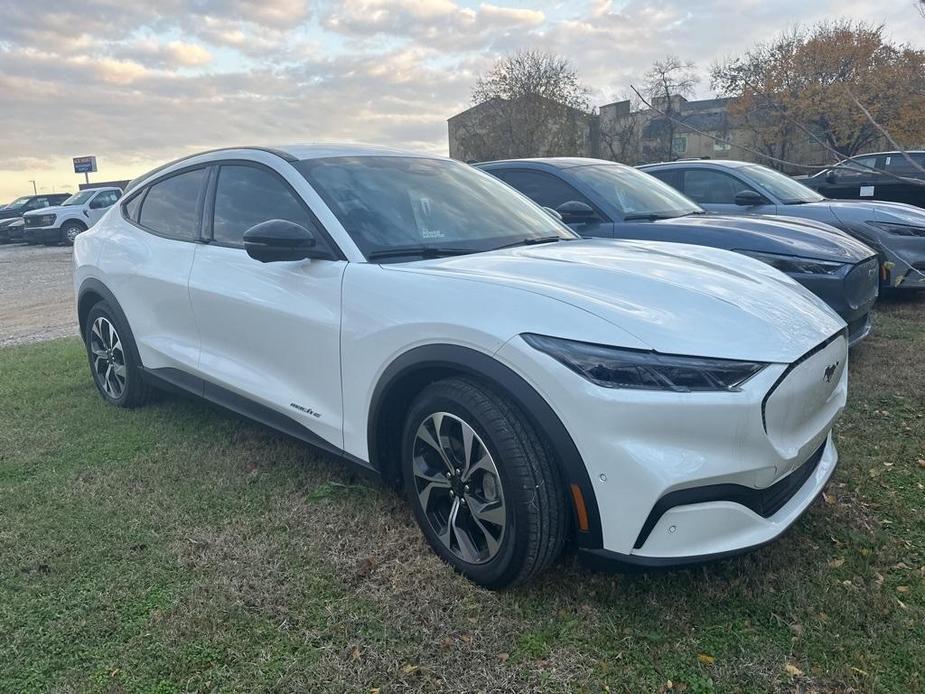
(140, 83)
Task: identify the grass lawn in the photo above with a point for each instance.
(180, 548)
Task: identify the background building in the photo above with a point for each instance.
(707, 128)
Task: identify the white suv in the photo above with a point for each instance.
(52, 225)
(650, 402)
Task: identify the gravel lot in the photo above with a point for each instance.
(36, 294)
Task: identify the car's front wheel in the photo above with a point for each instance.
(70, 231)
(482, 483)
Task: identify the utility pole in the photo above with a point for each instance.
(35, 191)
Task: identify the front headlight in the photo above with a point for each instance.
(899, 229)
(795, 264)
(617, 367)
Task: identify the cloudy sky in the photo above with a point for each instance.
(138, 82)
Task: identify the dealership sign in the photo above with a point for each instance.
(84, 165)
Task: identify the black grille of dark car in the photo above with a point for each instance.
(765, 502)
(33, 221)
(862, 282)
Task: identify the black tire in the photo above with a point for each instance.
(135, 391)
(70, 230)
(532, 495)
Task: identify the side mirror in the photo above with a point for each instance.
(552, 213)
(576, 212)
(278, 239)
(749, 198)
(96, 204)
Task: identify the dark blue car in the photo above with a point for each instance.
(603, 199)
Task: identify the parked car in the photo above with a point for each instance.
(656, 403)
(895, 230)
(887, 176)
(20, 206)
(76, 214)
(603, 199)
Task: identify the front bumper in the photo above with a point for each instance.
(903, 263)
(851, 293)
(41, 234)
(700, 452)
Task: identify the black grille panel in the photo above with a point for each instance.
(863, 282)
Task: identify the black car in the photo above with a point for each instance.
(20, 206)
(600, 198)
(856, 179)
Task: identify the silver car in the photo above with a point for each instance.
(895, 230)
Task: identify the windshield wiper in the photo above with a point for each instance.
(649, 216)
(531, 241)
(421, 251)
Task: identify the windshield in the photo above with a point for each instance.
(79, 198)
(782, 187)
(634, 192)
(387, 203)
(18, 202)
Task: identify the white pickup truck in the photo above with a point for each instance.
(52, 225)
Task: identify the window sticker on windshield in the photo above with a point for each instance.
(867, 191)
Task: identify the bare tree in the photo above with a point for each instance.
(620, 130)
(530, 103)
(668, 79)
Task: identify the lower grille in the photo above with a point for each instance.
(765, 502)
(862, 283)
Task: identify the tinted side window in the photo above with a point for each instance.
(247, 195)
(36, 203)
(711, 187)
(105, 199)
(171, 206)
(132, 206)
(672, 178)
(898, 164)
(543, 188)
(859, 166)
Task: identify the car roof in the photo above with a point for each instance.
(290, 153)
(893, 153)
(320, 150)
(726, 163)
(551, 162)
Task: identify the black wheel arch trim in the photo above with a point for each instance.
(483, 367)
(95, 286)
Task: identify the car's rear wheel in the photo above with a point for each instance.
(70, 231)
(113, 361)
(482, 483)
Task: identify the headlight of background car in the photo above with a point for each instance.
(616, 367)
(17, 223)
(899, 229)
(796, 264)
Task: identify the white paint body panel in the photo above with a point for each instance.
(322, 333)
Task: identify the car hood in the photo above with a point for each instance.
(864, 211)
(774, 234)
(54, 209)
(675, 298)
(10, 214)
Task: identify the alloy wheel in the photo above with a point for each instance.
(108, 358)
(459, 488)
(71, 233)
